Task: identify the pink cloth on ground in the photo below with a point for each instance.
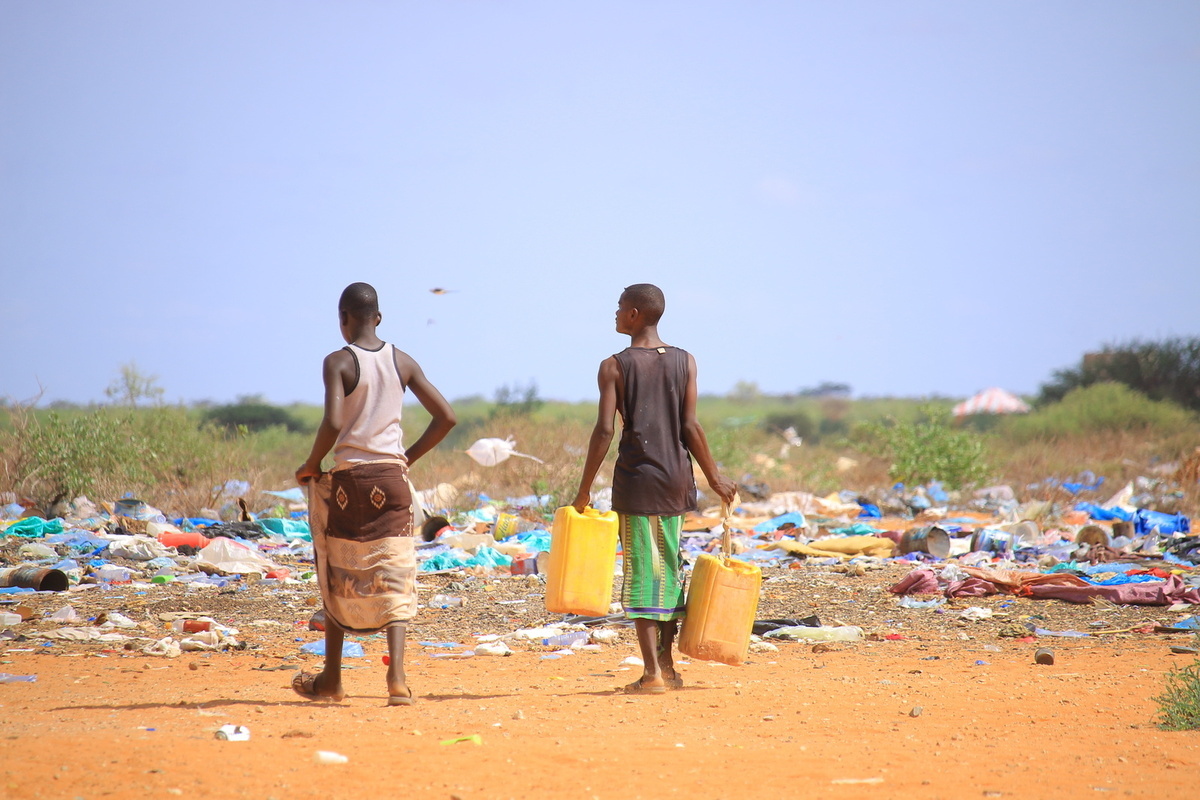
(919, 581)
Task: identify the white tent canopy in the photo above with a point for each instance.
(992, 401)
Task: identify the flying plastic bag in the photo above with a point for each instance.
(490, 452)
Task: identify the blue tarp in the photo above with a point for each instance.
(794, 517)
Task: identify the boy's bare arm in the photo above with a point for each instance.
(442, 415)
(697, 443)
(602, 434)
(331, 421)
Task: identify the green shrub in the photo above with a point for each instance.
(1097, 408)
(1164, 370)
(1179, 704)
(109, 451)
(929, 449)
(252, 416)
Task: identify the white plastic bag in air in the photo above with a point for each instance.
(490, 452)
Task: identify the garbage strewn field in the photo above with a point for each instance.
(880, 668)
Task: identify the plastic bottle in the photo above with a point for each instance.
(445, 601)
(110, 573)
(191, 625)
(567, 639)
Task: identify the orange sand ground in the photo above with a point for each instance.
(792, 724)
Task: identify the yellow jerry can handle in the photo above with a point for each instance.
(726, 513)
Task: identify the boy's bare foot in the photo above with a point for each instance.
(643, 686)
(306, 686)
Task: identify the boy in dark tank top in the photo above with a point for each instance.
(652, 385)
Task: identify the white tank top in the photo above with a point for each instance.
(371, 430)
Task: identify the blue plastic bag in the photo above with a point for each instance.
(1099, 513)
(349, 649)
(794, 517)
(1147, 521)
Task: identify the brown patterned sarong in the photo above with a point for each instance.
(362, 530)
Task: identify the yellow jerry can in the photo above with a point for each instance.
(583, 556)
(722, 602)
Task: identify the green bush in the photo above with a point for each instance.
(1179, 704)
(1164, 370)
(929, 449)
(109, 451)
(252, 416)
(1097, 408)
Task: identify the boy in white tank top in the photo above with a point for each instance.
(361, 512)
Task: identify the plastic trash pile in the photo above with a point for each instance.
(1076, 548)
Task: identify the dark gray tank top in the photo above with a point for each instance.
(653, 474)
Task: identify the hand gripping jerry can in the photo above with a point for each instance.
(583, 555)
(722, 602)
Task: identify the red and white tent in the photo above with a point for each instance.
(992, 401)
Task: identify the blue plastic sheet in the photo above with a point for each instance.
(1099, 513)
(1086, 482)
(349, 649)
(187, 523)
(534, 541)
(794, 517)
(857, 529)
(81, 542)
(288, 528)
(33, 527)
(1093, 569)
(454, 558)
(1147, 521)
(869, 511)
(294, 495)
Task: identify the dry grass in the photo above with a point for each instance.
(746, 452)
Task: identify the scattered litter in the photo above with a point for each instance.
(976, 613)
(474, 738)
(349, 649)
(493, 649)
(8, 677)
(233, 733)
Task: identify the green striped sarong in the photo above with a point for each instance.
(652, 567)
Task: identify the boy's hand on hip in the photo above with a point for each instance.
(306, 473)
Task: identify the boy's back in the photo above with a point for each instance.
(372, 407)
(653, 473)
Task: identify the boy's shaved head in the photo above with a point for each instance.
(359, 301)
(648, 299)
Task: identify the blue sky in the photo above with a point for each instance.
(912, 198)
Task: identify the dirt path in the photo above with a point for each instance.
(836, 724)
